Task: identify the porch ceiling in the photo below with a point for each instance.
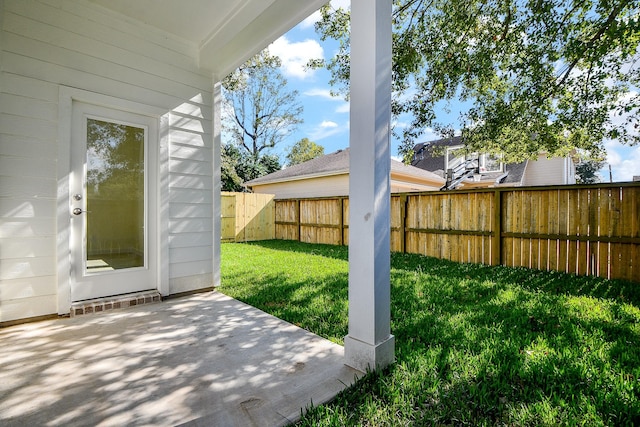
(225, 32)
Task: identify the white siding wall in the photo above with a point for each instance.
(327, 186)
(571, 170)
(48, 43)
(546, 171)
(330, 186)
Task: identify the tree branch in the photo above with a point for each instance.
(589, 44)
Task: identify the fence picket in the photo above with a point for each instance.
(575, 229)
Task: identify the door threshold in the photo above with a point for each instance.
(116, 302)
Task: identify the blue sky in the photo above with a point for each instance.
(326, 118)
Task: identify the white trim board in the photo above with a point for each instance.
(67, 96)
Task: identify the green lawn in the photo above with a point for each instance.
(475, 345)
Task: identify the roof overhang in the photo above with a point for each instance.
(397, 177)
(434, 180)
(250, 184)
(225, 33)
(467, 185)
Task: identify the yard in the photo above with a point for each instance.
(475, 344)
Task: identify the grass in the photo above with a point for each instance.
(475, 345)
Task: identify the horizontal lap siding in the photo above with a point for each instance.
(191, 198)
(544, 171)
(49, 43)
(326, 186)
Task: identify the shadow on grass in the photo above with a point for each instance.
(548, 281)
(475, 344)
(320, 307)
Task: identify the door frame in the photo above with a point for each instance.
(87, 284)
(67, 96)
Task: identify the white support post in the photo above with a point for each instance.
(217, 182)
(370, 344)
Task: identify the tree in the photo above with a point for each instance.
(587, 171)
(544, 75)
(115, 165)
(239, 166)
(259, 111)
(249, 168)
(230, 157)
(304, 150)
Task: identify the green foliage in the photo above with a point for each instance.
(546, 75)
(230, 157)
(249, 168)
(303, 151)
(115, 160)
(475, 345)
(259, 111)
(239, 167)
(587, 171)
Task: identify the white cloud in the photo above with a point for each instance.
(326, 94)
(345, 107)
(624, 161)
(429, 135)
(327, 129)
(311, 20)
(328, 124)
(400, 125)
(345, 4)
(320, 93)
(295, 56)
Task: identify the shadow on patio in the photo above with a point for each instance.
(206, 359)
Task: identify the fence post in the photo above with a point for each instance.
(496, 242)
(341, 221)
(298, 220)
(403, 223)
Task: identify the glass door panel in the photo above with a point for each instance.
(115, 192)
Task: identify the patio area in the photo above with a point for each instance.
(205, 359)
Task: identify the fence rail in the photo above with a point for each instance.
(586, 230)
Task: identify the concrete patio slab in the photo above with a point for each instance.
(202, 360)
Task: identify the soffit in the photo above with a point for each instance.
(225, 32)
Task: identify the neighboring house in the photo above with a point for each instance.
(328, 176)
(109, 144)
(438, 156)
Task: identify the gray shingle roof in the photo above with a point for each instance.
(336, 163)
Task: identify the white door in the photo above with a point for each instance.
(113, 202)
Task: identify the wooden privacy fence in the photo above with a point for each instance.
(587, 230)
(247, 217)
